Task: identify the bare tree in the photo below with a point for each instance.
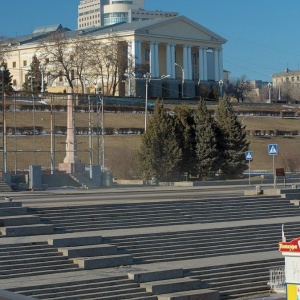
(238, 88)
(109, 62)
(6, 45)
(66, 57)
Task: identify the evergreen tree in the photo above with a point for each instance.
(185, 132)
(232, 142)
(7, 79)
(33, 82)
(206, 150)
(213, 93)
(159, 155)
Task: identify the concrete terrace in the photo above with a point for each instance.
(167, 243)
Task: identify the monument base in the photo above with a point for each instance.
(70, 168)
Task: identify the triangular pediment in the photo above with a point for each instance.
(181, 28)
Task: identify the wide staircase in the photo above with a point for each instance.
(168, 213)
(131, 251)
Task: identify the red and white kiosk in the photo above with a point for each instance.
(291, 253)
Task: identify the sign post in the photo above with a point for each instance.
(249, 157)
(273, 150)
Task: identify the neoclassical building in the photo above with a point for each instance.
(184, 51)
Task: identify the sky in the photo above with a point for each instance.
(262, 35)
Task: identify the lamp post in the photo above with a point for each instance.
(42, 69)
(279, 94)
(221, 87)
(148, 78)
(182, 78)
(3, 125)
(270, 87)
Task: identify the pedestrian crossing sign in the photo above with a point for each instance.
(248, 155)
(273, 149)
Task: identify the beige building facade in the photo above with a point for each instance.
(185, 51)
(288, 76)
(97, 13)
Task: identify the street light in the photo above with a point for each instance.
(182, 78)
(270, 87)
(2, 69)
(221, 87)
(42, 69)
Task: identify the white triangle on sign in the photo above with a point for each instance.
(249, 156)
(273, 150)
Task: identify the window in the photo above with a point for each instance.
(24, 63)
(14, 82)
(14, 64)
(47, 60)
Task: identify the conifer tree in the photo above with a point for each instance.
(34, 77)
(185, 132)
(159, 155)
(232, 142)
(206, 150)
(7, 79)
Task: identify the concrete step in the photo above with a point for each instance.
(12, 211)
(75, 241)
(202, 294)
(6, 295)
(5, 204)
(100, 262)
(42, 264)
(58, 265)
(19, 220)
(4, 187)
(172, 285)
(99, 289)
(147, 276)
(27, 230)
(88, 251)
(71, 285)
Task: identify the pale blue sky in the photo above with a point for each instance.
(263, 36)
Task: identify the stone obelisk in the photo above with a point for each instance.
(72, 163)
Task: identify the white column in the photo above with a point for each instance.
(170, 60)
(201, 63)
(152, 59)
(190, 63)
(156, 60)
(205, 76)
(173, 72)
(185, 61)
(216, 65)
(221, 73)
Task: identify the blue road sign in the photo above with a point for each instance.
(248, 155)
(273, 149)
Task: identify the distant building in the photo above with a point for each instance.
(179, 47)
(98, 13)
(288, 76)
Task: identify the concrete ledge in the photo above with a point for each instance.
(76, 241)
(27, 230)
(12, 211)
(100, 262)
(203, 294)
(6, 295)
(19, 220)
(144, 276)
(89, 251)
(173, 285)
(10, 204)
